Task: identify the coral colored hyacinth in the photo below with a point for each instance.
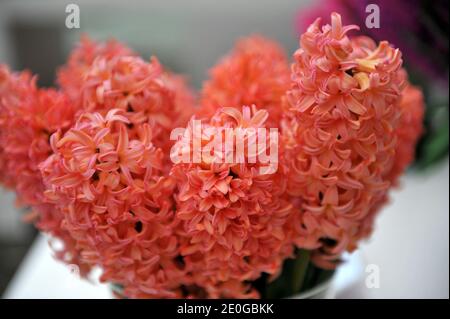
(411, 28)
(102, 76)
(408, 131)
(15, 90)
(255, 72)
(144, 90)
(233, 218)
(28, 116)
(71, 76)
(38, 113)
(106, 180)
(342, 113)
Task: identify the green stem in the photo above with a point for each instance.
(299, 271)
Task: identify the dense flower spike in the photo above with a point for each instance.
(255, 72)
(342, 114)
(28, 116)
(71, 76)
(107, 182)
(144, 90)
(408, 131)
(15, 90)
(232, 216)
(102, 76)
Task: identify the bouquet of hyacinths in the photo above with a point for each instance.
(256, 189)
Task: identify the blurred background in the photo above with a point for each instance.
(410, 243)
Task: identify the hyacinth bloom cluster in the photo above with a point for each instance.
(256, 72)
(408, 130)
(106, 180)
(99, 77)
(71, 76)
(28, 117)
(233, 218)
(97, 164)
(404, 25)
(343, 112)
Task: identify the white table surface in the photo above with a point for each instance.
(410, 247)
